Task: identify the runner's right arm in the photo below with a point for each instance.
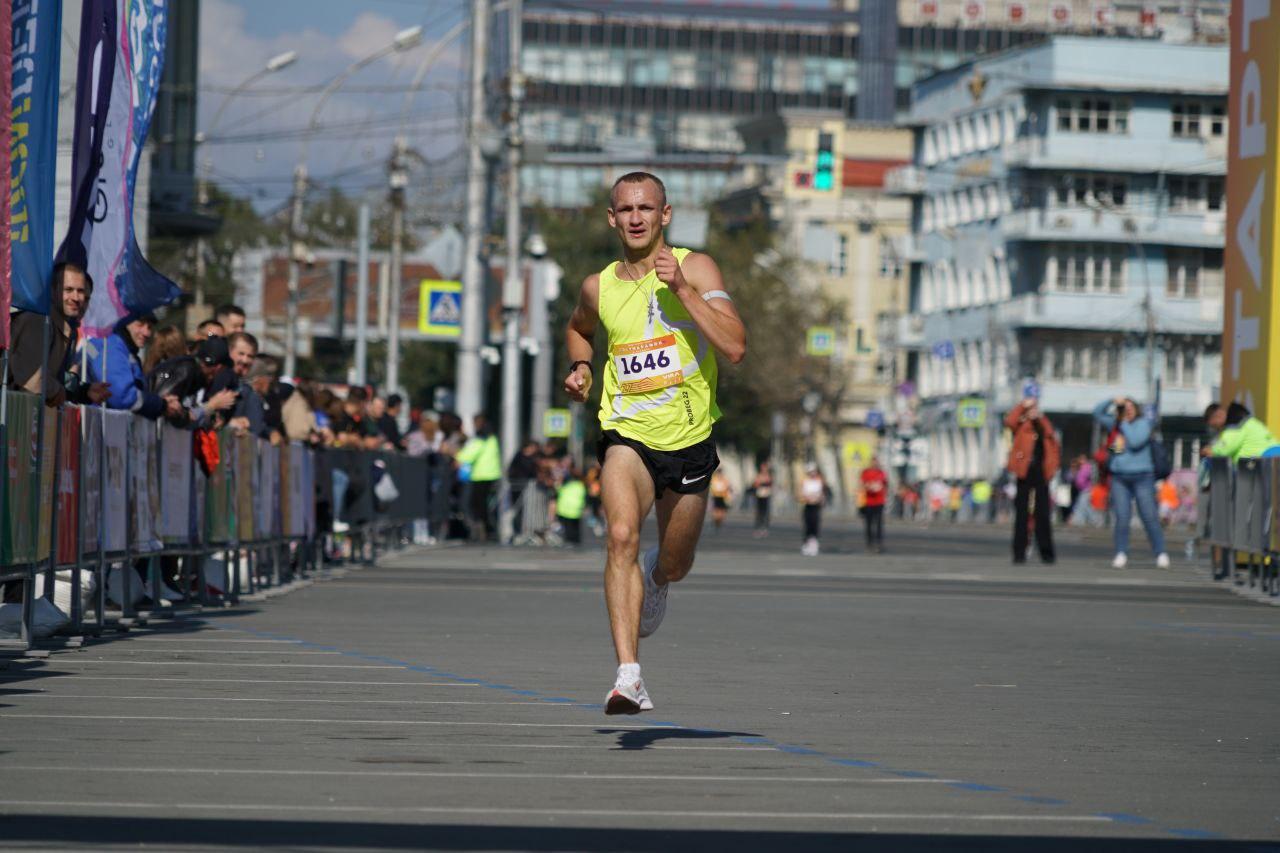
(579, 336)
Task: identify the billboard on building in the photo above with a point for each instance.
(1251, 339)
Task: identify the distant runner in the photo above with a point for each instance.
(663, 311)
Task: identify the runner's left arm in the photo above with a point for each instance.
(716, 318)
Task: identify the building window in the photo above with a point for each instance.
(1194, 273)
(1091, 190)
(890, 263)
(1090, 362)
(1181, 367)
(840, 256)
(1195, 194)
(1186, 119)
(1198, 119)
(1086, 268)
(1093, 115)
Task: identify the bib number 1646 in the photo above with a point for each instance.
(647, 365)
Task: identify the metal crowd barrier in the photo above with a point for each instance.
(130, 492)
(1243, 523)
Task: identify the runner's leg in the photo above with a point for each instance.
(679, 526)
(627, 493)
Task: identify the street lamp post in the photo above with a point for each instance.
(276, 63)
(406, 39)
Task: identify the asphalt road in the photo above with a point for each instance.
(931, 698)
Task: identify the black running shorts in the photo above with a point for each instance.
(686, 471)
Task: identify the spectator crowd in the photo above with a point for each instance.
(219, 379)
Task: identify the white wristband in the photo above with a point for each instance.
(716, 294)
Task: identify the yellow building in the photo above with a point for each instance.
(819, 180)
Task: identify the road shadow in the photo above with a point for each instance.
(177, 833)
(645, 738)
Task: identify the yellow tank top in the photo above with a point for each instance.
(665, 397)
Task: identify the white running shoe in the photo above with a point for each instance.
(655, 596)
(1162, 561)
(1121, 560)
(628, 698)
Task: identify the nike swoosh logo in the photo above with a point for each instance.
(686, 481)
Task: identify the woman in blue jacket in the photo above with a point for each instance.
(1132, 475)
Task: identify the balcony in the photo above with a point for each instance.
(1204, 230)
(1112, 312)
(1117, 153)
(904, 180)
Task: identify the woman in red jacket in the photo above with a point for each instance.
(1033, 460)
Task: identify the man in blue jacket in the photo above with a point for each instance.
(114, 360)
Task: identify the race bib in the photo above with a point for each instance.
(647, 365)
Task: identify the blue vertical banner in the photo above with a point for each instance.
(95, 74)
(124, 283)
(36, 30)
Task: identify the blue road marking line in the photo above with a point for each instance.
(1122, 818)
(1130, 819)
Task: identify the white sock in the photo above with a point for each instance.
(629, 672)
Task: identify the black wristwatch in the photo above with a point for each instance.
(574, 366)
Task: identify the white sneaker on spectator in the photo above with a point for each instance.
(1121, 560)
(1162, 561)
(655, 595)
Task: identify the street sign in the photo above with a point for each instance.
(971, 412)
(875, 419)
(857, 453)
(440, 308)
(944, 350)
(821, 341)
(555, 423)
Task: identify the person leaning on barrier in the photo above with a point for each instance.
(230, 318)
(70, 298)
(209, 329)
(351, 424)
(166, 342)
(264, 378)
(187, 376)
(384, 413)
(247, 415)
(296, 414)
(1239, 434)
(114, 360)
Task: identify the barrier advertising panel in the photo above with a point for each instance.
(91, 476)
(19, 545)
(144, 492)
(47, 477)
(218, 526)
(68, 493)
(264, 494)
(246, 462)
(115, 443)
(175, 483)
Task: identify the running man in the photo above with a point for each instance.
(664, 311)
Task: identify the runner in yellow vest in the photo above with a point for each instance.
(666, 313)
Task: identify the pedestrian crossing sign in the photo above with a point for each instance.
(971, 413)
(555, 423)
(820, 341)
(440, 309)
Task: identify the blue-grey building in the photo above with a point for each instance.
(1067, 225)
